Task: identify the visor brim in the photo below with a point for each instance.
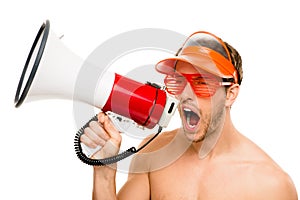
(199, 58)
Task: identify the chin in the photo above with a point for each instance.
(194, 137)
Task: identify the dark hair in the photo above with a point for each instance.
(215, 45)
(236, 60)
(235, 57)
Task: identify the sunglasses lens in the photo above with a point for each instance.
(203, 85)
(175, 83)
(204, 91)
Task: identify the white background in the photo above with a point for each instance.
(37, 156)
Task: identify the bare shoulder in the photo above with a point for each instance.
(271, 182)
(267, 178)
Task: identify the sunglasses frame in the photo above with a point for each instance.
(203, 89)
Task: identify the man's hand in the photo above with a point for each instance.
(104, 134)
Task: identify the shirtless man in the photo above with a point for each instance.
(210, 158)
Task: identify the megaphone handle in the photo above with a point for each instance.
(105, 161)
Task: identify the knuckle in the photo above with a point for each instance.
(92, 123)
(85, 140)
(99, 140)
(87, 130)
(91, 144)
(101, 143)
(82, 138)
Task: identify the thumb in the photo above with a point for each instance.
(110, 129)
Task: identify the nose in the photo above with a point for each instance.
(188, 92)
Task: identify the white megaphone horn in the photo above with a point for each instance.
(51, 71)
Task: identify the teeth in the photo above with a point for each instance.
(187, 110)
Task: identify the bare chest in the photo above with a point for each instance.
(196, 182)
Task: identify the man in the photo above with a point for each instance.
(207, 158)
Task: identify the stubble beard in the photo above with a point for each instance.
(210, 125)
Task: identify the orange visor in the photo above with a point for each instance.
(204, 51)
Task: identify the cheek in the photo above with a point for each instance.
(205, 104)
(209, 106)
(220, 93)
(219, 98)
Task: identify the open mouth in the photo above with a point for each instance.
(192, 118)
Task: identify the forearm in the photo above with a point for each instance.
(104, 186)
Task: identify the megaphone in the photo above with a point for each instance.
(51, 70)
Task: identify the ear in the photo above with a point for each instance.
(231, 95)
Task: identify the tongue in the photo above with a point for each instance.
(193, 119)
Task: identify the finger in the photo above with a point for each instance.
(87, 141)
(97, 128)
(101, 117)
(104, 119)
(93, 136)
(110, 129)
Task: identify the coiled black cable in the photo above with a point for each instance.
(109, 160)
